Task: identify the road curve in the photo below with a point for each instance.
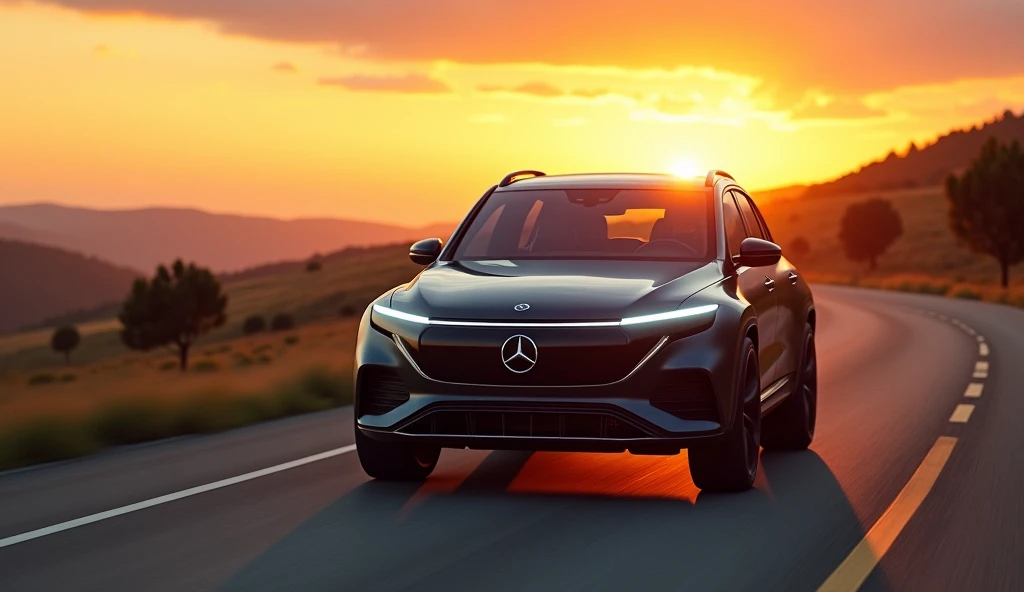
(893, 368)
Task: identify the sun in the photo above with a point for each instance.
(685, 168)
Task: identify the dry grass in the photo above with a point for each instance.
(927, 247)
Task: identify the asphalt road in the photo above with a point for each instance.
(891, 376)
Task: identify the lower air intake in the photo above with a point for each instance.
(525, 424)
(380, 390)
(687, 394)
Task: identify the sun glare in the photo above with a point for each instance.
(686, 168)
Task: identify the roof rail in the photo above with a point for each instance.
(513, 177)
(710, 180)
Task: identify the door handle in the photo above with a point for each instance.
(793, 277)
(770, 283)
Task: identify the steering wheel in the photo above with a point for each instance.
(666, 242)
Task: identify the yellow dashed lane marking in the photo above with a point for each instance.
(852, 572)
(981, 370)
(982, 348)
(974, 390)
(962, 413)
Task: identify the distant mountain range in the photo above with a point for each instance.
(40, 282)
(142, 239)
(924, 166)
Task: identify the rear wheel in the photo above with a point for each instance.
(791, 425)
(395, 461)
(730, 462)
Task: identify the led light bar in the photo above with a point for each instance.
(651, 318)
(670, 315)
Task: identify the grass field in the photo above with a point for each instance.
(927, 248)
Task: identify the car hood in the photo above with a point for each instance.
(554, 290)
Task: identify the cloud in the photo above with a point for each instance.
(841, 108)
(409, 83)
(286, 67)
(797, 44)
(535, 89)
(489, 118)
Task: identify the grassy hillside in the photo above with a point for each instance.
(348, 280)
(927, 166)
(927, 247)
(40, 282)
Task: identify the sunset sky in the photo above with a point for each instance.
(406, 110)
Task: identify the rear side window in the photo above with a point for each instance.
(733, 223)
(753, 226)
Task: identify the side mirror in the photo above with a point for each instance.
(755, 252)
(425, 251)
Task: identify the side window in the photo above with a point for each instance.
(760, 218)
(753, 226)
(733, 223)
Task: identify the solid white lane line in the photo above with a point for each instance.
(982, 349)
(859, 564)
(981, 369)
(962, 413)
(974, 390)
(163, 499)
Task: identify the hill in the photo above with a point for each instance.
(926, 166)
(143, 238)
(40, 282)
(348, 281)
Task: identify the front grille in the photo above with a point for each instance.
(687, 394)
(380, 390)
(564, 356)
(527, 424)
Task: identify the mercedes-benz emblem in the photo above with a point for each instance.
(519, 354)
(521, 307)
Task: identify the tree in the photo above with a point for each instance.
(254, 324)
(986, 205)
(868, 229)
(172, 309)
(65, 340)
(315, 263)
(282, 322)
(800, 247)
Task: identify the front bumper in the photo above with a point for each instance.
(625, 414)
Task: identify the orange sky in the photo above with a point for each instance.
(405, 111)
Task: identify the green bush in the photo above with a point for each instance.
(254, 324)
(206, 366)
(45, 439)
(68, 377)
(282, 322)
(127, 422)
(167, 366)
(42, 378)
(966, 294)
(262, 348)
(242, 360)
(291, 340)
(264, 359)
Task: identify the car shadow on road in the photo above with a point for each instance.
(556, 521)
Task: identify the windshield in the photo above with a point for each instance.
(592, 224)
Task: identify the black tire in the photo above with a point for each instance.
(391, 461)
(730, 462)
(791, 425)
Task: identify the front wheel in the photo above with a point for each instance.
(395, 461)
(730, 462)
(791, 425)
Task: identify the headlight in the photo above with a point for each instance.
(651, 318)
(671, 315)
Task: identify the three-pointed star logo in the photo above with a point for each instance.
(519, 354)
